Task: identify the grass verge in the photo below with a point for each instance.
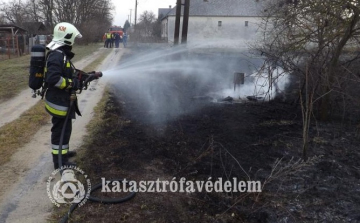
(14, 76)
(21, 130)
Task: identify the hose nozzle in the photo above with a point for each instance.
(98, 74)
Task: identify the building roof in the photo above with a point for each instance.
(163, 12)
(34, 27)
(13, 29)
(224, 8)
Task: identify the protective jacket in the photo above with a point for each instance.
(59, 72)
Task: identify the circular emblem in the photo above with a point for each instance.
(73, 188)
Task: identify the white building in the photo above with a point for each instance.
(219, 23)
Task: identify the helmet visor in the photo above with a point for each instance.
(53, 45)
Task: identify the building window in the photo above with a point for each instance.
(246, 23)
(219, 23)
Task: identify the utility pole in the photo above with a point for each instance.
(177, 22)
(185, 22)
(136, 3)
(130, 16)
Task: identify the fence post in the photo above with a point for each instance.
(17, 46)
(25, 50)
(238, 79)
(8, 46)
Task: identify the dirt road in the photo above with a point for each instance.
(23, 196)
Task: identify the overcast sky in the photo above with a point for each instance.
(123, 7)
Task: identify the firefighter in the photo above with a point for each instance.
(108, 39)
(104, 40)
(125, 37)
(60, 81)
(112, 40)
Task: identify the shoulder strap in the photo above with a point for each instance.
(62, 54)
(72, 65)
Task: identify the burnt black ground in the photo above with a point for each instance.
(210, 140)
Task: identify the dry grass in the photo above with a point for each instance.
(14, 76)
(96, 124)
(19, 132)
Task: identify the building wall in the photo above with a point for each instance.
(222, 31)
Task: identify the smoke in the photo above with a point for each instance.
(162, 83)
(263, 83)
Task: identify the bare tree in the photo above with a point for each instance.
(126, 25)
(33, 11)
(14, 12)
(45, 7)
(145, 22)
(65, 10)
(313, 40)
(157, 29)
(92, 17)
(147, 28)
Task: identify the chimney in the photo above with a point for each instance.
(169, 6)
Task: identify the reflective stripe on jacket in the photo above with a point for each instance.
(58, 77)
(54, 109)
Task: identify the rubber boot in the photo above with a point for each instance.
(65, 161)
(70, 154)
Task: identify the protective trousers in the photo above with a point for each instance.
(56, 129)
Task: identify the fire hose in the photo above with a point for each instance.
(88, 78)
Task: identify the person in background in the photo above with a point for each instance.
(117, 40)
(112, 40)
(125, 36)
(108, 40)
(104, 39)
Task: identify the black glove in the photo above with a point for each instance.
(76, 84)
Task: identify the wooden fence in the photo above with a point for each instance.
(11, 47)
